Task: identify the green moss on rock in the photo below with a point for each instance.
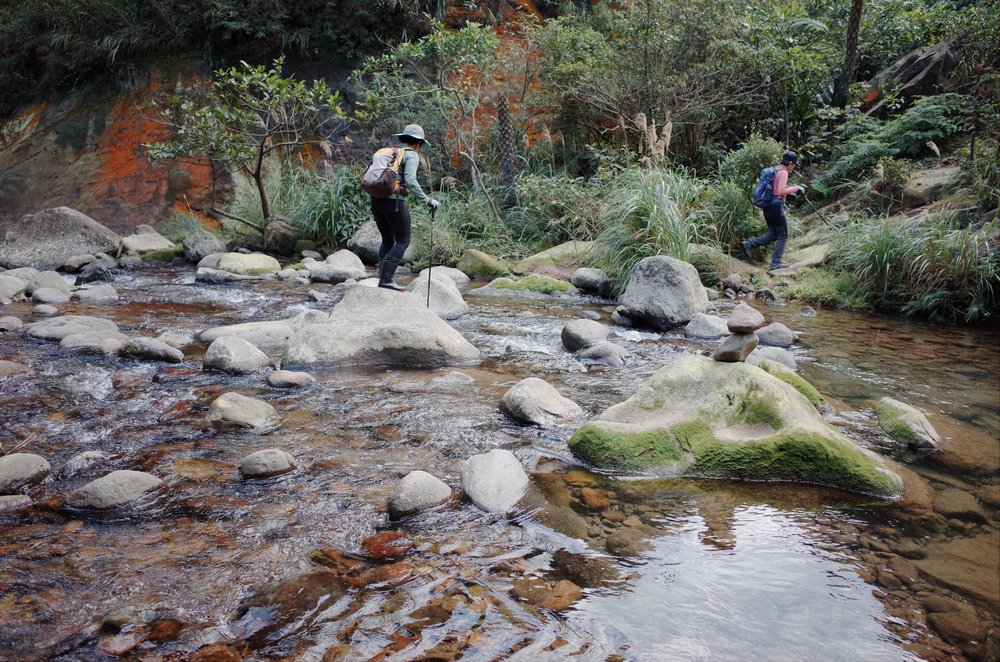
(533, 283)
(603, 447)
(165, 255)
(475, 263)
(778, 370)
(893, 424)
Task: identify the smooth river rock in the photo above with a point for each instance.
(494, 481)
(580, 334)
(457, 275)
(108, 344)
(200, 244)
(339, 267)
(49, 295)
(446, 299)
(778, 354)
(418, 490)
(19, 470)
(115, 489)
(744, 319)
(706, 327)
(477, 264)
(776, 334)
(534, 401)
(267, 463)
(367, 240)
(11, 288)
(699, 417)
(232, 410)
(58, 328)
(289, 379)
(664, 292)
(235, 356)
(150, 349)
(96, 293)
(374, 325)
(735, 347)
(10, 323)
(147, 242)
(269, 336)
(46, 239)
(605, 353)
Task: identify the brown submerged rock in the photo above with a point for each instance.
(963, 564)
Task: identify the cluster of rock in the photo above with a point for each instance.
(742, 339)
(49, 289)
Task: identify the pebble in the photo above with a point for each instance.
(386, 545)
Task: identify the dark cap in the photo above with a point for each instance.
(789, 157)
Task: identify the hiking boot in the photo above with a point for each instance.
(780, 265)
(386, 270)
(746, 250)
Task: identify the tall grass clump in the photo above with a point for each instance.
(650, 212)
(927, 269)
(328, 208)
(554, 209)
(731, 216)
(182, 225)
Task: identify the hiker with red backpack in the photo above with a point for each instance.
(769, 195)
(392, 177)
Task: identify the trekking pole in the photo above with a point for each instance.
(431, 265)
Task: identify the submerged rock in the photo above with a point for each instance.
(267, 463)
(83, 462)
(534, 401)
(46, 239)
(235, 356)
(664, 292)
(418, 490)
(232, 410)
(606, 353)
(782, 356)
(446, 299)
(494, 481)
(289, 379)
(115, 489)
(150, 349)
(700, 417)
(19, 470)
(906, 424)
(374, 325)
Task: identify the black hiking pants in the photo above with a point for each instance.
(777, 231)
(392, 217)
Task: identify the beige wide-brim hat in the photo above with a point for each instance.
(413, 131)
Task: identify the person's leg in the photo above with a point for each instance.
(398, 220)
(762, 240)
(781, 233)
(384, 227)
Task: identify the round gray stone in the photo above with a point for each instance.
(534, 401)
(606, 353)
(578, 334)
(267, 463)
(150, 349)
(417, 491)
(235, 355)
(776, 334)
(494, 481)
(115, 489)
(232, 410)
(745, 319)
(706, 327)
(44, 310)
(19, 470)
(289, 379)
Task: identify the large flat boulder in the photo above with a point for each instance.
(48, 238)
(374, 325)
(664, 292)
(147, 242)
(699, 417)
(57, 328)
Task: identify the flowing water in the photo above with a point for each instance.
(212, 567)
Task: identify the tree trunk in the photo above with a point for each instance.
(258, 179)
(507, 173)
(843, 84)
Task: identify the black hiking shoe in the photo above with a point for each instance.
(746, 250)
(780, 265)
(392, 286)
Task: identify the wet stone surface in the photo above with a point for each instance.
(308, 565)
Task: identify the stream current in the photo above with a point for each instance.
(721, 571)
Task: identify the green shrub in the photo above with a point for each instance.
(928, 268)
(551, 210)
(742, 167)
(930, 119)
(326, 208)
(650, 212)
(731, 215)
(851, 161)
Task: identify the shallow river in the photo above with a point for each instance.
(275, 569)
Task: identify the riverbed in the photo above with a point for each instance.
(721, 571)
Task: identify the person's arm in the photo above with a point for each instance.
(410, 163)
(781, 188)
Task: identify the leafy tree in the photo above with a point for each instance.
(846, 76)
(257, 113)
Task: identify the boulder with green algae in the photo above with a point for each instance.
(698, 417)
(533, 283)
(790, 377)
(564, 257)
(475, 263)
(906, 424)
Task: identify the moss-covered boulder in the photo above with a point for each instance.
(559, 261)
(533, 283)
(242, 264)
(906, 424)
(698, 417)
(790, 377)
(477, 264)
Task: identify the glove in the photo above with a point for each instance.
(432, 203)
(802, 189)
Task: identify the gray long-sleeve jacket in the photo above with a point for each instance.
(411, 161)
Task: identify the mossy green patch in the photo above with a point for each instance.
(257, 272)
(297, 267)
(532, 283)
(792, 455)
(802, 386)
(894, 426)
(165, 255)
(604, 448)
